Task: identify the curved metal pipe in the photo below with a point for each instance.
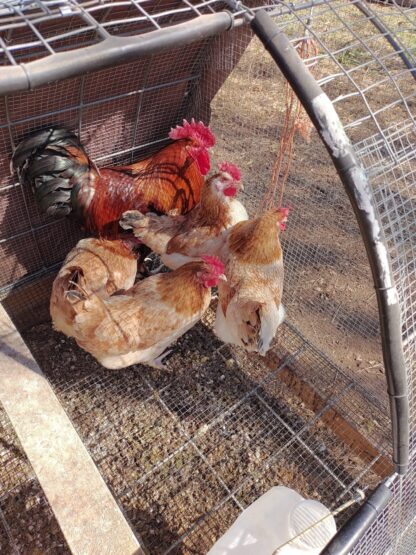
(353, 530)
(326, 120)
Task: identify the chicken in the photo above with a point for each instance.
(137, 326)
(179, 239)
(65, 180)
(94, 266)
(249, 309)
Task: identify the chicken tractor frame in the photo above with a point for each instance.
(147, 461)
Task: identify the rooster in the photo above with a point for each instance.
(95, 266)
(65, 180)
(249, 309)
(179, 239)
(137, 326)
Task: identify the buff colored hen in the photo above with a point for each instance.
(179, 239)
(137, 326)
(94, 266)
(249, 309)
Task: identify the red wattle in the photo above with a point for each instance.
(230, 191)
(203, 162)
(210, 282)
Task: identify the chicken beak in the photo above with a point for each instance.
(241, 186)
(223, 277)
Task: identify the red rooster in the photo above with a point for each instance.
(65, 180)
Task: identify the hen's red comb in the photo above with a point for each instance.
(285, 214)
(214, 262)
(197, 131)
(232, 169)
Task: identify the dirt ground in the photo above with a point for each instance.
(184, 451)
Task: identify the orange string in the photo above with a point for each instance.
(296, 121)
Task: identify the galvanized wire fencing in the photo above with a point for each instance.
(185, 452)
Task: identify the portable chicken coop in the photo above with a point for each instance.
(140, 460)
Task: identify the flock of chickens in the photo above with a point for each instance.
(166, 205)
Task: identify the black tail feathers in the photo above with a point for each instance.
(54, 163)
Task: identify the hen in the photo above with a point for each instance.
(179, 239)
(137, 326)
(249, 309)
(94, 266)
(65, 180)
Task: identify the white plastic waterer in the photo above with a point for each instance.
(280, 522)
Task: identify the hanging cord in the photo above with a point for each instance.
(359, 496)
(296, 121)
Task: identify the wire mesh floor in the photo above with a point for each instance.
(185, 451)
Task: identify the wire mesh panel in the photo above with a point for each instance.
(328, 293)
(34, 30)
(184, 452)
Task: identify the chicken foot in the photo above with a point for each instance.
(157, 362)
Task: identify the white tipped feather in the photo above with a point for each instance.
(270, 317)
(223, 330)
(237, 212)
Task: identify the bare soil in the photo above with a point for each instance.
(184, 450)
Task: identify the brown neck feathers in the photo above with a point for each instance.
(256, 240)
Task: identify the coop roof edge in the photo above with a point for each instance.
(109, 52)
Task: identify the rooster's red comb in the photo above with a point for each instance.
(197, 131)
(215, 263)
(232, 169)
